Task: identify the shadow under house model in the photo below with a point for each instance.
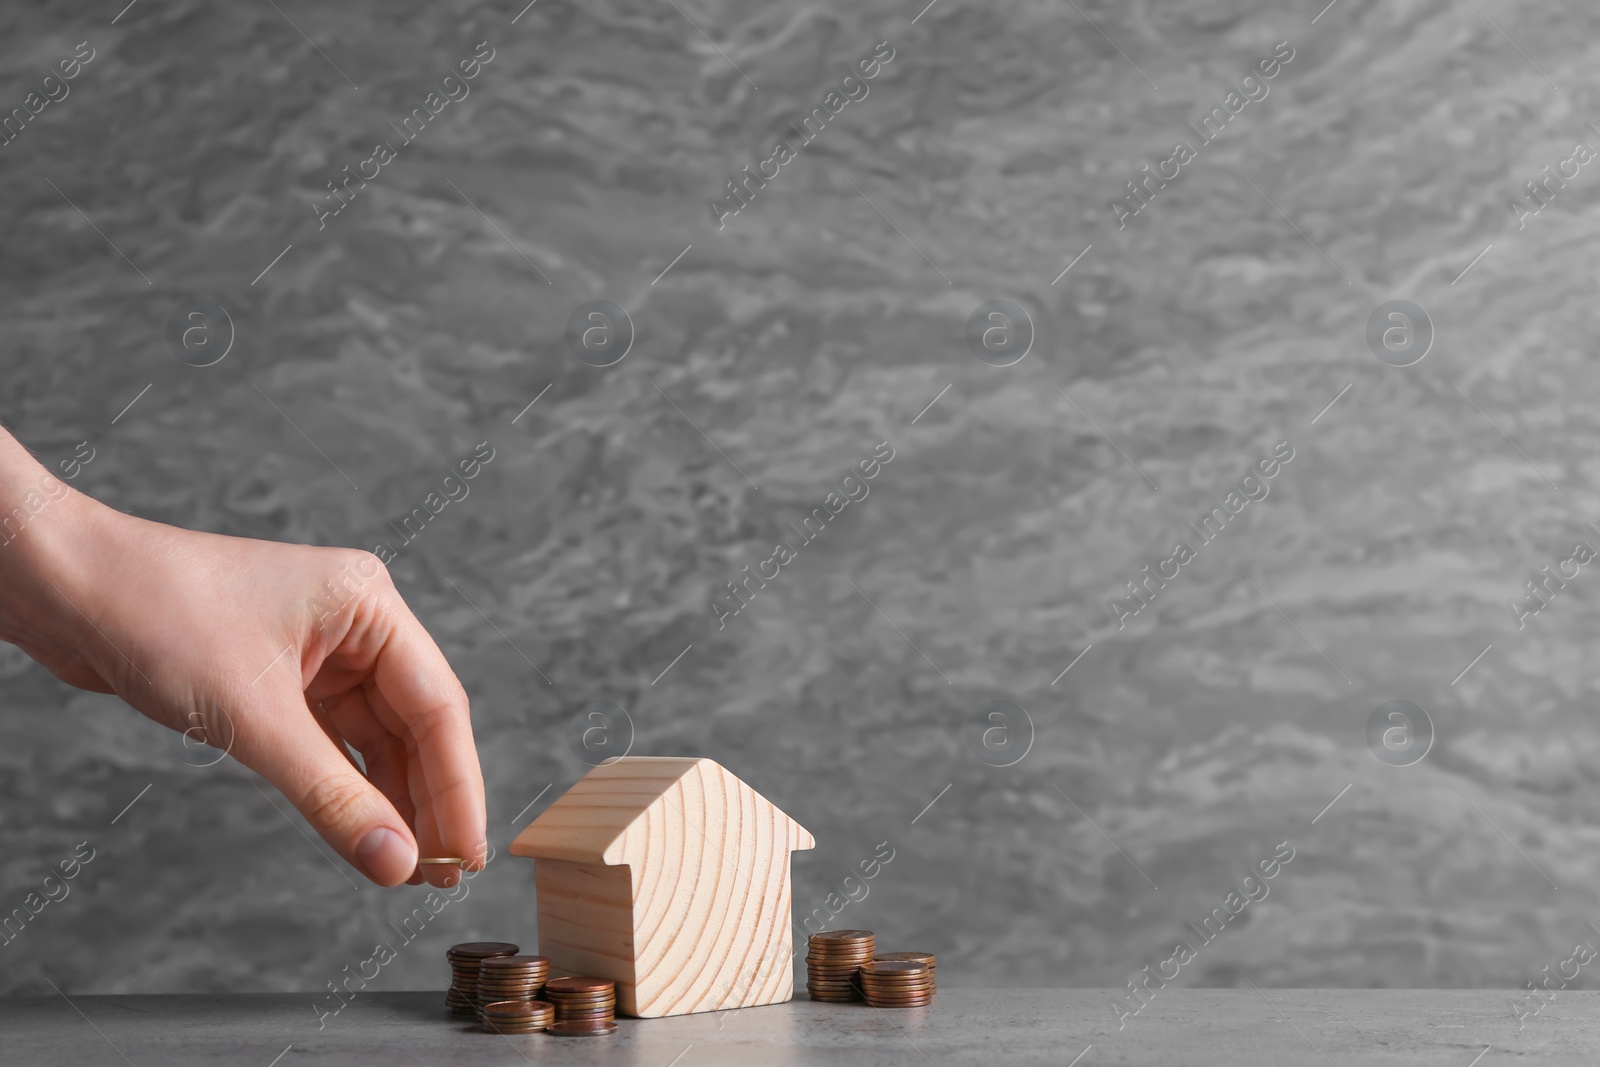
(670, 877)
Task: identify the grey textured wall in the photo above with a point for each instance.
(1184, 343)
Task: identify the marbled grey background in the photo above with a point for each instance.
(1174, 354)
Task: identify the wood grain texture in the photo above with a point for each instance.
(671, 877)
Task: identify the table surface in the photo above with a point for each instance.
(964, 1026)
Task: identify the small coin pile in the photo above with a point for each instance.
(511, 978)
(833, 961)
(910, 957)
(465, 959)
(897, 984)
(585, 1007)
(489, 980)
(516, 1016)
(844, 966)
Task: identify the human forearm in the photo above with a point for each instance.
(44, 523)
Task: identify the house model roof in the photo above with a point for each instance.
(616, 811)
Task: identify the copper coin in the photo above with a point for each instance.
(504, 962)
(582, 1029)
(890, 967)
(581, 985)
(890, 987)
(842, 935)
(909, 994)
(480, 950)
(906, 957)
(518, 1007)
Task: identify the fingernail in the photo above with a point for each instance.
(385, 857)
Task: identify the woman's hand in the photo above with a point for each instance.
(281, 654)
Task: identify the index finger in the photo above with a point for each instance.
(424, 699)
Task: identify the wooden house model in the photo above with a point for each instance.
(669, 876)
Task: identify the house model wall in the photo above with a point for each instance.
(669, 876)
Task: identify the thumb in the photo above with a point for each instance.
(287, 747)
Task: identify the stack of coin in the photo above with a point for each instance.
(516, 1016)
(897, 984)
(832, 960)
(585, 1007)
(511, 978)
(462, 999)
(910, 957)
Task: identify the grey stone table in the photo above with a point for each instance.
(964, 1026)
